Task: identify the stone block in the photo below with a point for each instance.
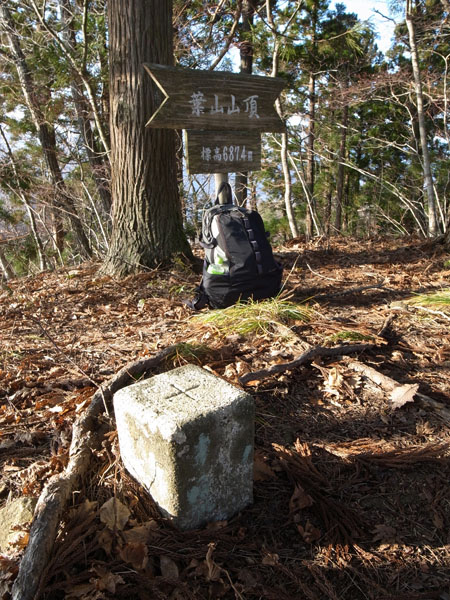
(187, 436)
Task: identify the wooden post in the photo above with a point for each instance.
(218, 179)
(217, 102)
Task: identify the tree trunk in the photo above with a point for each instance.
(310, 161)
(447, 239)
(147, 222)
(5, 267)
(341, 170)
(47, 138)
(288, 186)
(433, 228)
(284, 136)
(329, 199)
(246, 56)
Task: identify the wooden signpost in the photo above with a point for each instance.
(223, 114)
(215, 100)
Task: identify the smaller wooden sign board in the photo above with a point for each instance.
(223, 151)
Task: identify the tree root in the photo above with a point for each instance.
(87, 435)
(308, 355)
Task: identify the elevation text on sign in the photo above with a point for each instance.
(223, 151)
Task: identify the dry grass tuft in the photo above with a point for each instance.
(255, 317)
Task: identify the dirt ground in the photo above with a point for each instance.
(351, 490)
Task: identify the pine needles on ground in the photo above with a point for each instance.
(185, 352)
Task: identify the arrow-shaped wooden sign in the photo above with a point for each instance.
(215, 100)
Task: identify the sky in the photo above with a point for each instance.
(365, 9)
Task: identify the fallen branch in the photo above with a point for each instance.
(86, 436)
(430, 311)
(356, 290)
(368, 451)
(310, 354)
(323, 276)
(388, 384)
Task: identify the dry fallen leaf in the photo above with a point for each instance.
(106, 581)
(105, 540)
(169, 569)
(20, 540)
(214, 570)
(333, 385)
(270, 559)
(384, 533)
(261, 470)
(114, 514)
(141, 533)
(403, 394)
(299, 500)
(230, 372)
(242, 368)
(136, 554)
(309, 533)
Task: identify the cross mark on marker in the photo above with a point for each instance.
(180, 390)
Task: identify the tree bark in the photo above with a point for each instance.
(288, 186)
(433, 228)
(147, 221)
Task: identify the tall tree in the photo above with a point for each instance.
(427, 174)
(18, 185)
(46, 132)
(246, 59)
(278, 38)
(97, 153)
(313, 9)
(147, 221)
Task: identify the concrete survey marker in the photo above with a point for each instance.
(187, 437)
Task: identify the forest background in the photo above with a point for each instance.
(351, 479)
(366, 148)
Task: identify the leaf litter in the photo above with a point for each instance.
(351, 484)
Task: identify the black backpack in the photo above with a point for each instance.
(239, 262)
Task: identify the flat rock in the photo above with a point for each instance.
(13, 514)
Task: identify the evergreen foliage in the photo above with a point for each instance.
(354, 150)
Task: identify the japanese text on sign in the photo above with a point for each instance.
(226, 154)
(200, 106)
